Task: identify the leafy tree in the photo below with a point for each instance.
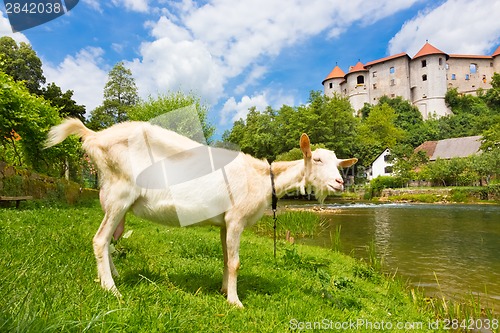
(378, 132)
(120, 94)
(255, 135)
(21, 63)
(25, 120)
(492, 96)
(63, 101)
(184, 122)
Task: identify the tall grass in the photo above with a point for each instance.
(170, 279)
(299, 223)
(335, 239)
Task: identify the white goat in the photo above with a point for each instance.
(238, 199)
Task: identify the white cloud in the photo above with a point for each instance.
(255, 74)
(456, 26)
(240, 109)
(133, 5)
(6, 30)
(82, 74)
(95, 4)
(233, 110)
(175, 61)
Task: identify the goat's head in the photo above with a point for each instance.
(322, 169)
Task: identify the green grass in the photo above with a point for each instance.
(170, 279)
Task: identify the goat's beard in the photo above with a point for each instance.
(319, 193)
(321, 196)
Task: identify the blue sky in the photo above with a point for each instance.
(238, 54)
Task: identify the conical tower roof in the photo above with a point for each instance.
(428, 49)
(359, 67)
(336, 73)
(497, 52)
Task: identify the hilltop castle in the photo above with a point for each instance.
(423, 79)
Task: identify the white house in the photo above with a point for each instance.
(381, 166)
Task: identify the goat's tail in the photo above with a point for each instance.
(59, 133)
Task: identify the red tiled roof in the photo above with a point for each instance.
(359, 67)
(336, 73)
(497, 52)
(471, 56)
(428, 49)
(402, 54)
(428, 147)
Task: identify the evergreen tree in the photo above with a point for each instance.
(120, 94)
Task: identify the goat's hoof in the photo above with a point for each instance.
(236, 304)
(223, 291)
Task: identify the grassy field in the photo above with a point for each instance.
(170, 278)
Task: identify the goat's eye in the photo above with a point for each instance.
(317, 160)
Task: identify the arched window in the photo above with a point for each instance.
(424, 77)
(473, 68)
(361, 79)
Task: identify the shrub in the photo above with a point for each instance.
(382, 182)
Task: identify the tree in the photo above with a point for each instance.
(492, 96)
(256, 135)
(184, 123)
(63, 101)
(25, 120)
(120, 94)
(21, 63)
(378, 132)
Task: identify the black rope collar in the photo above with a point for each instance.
(274, 205)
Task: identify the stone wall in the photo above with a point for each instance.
(15, 181)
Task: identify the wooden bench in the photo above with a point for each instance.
(16, 199)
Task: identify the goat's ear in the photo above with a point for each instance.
(305, 146)
(348, 162)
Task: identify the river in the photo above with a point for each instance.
(457, 244)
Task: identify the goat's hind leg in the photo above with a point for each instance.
(223, 233)
(116, 236)
(101, 241)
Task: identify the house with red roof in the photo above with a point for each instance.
(423, 80)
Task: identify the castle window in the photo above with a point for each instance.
(473, 68)
(374, 86)
(360, 79)
(440, 61)
(374, 73)
(392, 82)
(447, 66)
(484, 78)
(453, 77)
(424, 63)
(467, 77)
(331, 85)
(424, 77)
(392, 70)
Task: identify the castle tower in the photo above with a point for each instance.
(331, 84)
(428, 81)
(356, 86)
(496, 60)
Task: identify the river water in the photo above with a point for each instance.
(450, 250)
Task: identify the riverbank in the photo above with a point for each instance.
(452, 194)
(170, 279)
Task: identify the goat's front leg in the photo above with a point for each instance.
(232, 265)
